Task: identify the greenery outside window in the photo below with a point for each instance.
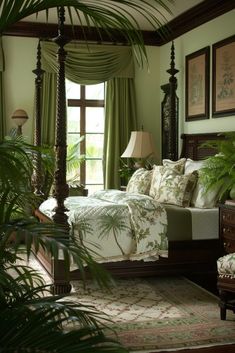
(85, 117)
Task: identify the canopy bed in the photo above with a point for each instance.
(182, 251)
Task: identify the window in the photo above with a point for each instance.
(85, 117)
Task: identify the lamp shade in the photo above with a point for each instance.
(20, 117)
(140, 145)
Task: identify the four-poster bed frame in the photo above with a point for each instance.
(184, 256)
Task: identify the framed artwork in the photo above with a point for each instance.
(197, 67)
(223, 79)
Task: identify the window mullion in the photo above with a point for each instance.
(83, 133)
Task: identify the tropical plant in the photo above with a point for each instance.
(31, 319)
(73, 162)
(218, 171)
(111, 16)
(30, 322)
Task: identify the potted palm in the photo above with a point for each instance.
(219, 170)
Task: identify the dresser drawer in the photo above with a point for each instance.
(228, 216)
(228, 244)
(227, 228)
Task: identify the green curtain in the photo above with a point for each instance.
(92, 64)
(120, 120)
(48, 112)
(2, 99)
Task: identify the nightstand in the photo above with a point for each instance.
(225, 264)
(227, 227)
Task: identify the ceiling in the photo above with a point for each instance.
(186, 15)
(177, 8)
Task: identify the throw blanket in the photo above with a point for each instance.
(117, 225)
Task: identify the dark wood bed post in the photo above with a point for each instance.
(61, 283)
(37, 177)
(170, 129)
(61, 189)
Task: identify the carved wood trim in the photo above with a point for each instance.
(37, 176)
(61, 189)
(199, 14)
(170, 113)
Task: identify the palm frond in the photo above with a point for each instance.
(110, 15)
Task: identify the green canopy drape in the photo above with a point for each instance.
(120, 119)
(2, 99)
(91, 65)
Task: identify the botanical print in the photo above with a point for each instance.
(225, 77)
(196, 85)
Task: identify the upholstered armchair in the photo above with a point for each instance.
(226, 283)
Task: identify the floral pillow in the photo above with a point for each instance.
(158, 172)
(140, 181)
(176, 165)
(176, 189)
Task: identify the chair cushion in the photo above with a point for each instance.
(226, 265)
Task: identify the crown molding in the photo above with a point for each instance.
(196, 16)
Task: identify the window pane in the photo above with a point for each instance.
(95, 119)
(93, 188)
(72, 139)
(95, 91)
(94, 172)
(94, 145)
(73, 119)
(72, 90)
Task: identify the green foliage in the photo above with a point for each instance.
(219, 170)
(31, 319)
(74, 159)
(117, 16)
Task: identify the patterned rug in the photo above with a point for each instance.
(165, 313)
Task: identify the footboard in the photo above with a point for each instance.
(54, 268)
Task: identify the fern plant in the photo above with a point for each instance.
(219, 170)
(31, 319)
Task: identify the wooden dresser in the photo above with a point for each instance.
(227, 228)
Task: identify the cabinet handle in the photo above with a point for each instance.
(226, 230)
(227, 245)
(227, 217)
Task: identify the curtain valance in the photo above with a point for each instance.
(90, 64)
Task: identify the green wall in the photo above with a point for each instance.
(148, 83)
(20, 57)
(205, 35)
(20, 60)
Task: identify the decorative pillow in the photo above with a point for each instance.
(201, 198)
(158, 172)
(177, 189)
(140, 181)
(191, 165)
(179, 165)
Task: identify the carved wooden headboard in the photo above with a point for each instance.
(192, 145)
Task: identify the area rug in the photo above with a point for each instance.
(164, 313)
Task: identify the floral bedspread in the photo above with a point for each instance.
(117, 225)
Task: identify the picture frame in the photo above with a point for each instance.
(197, 70)
(223, 77)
